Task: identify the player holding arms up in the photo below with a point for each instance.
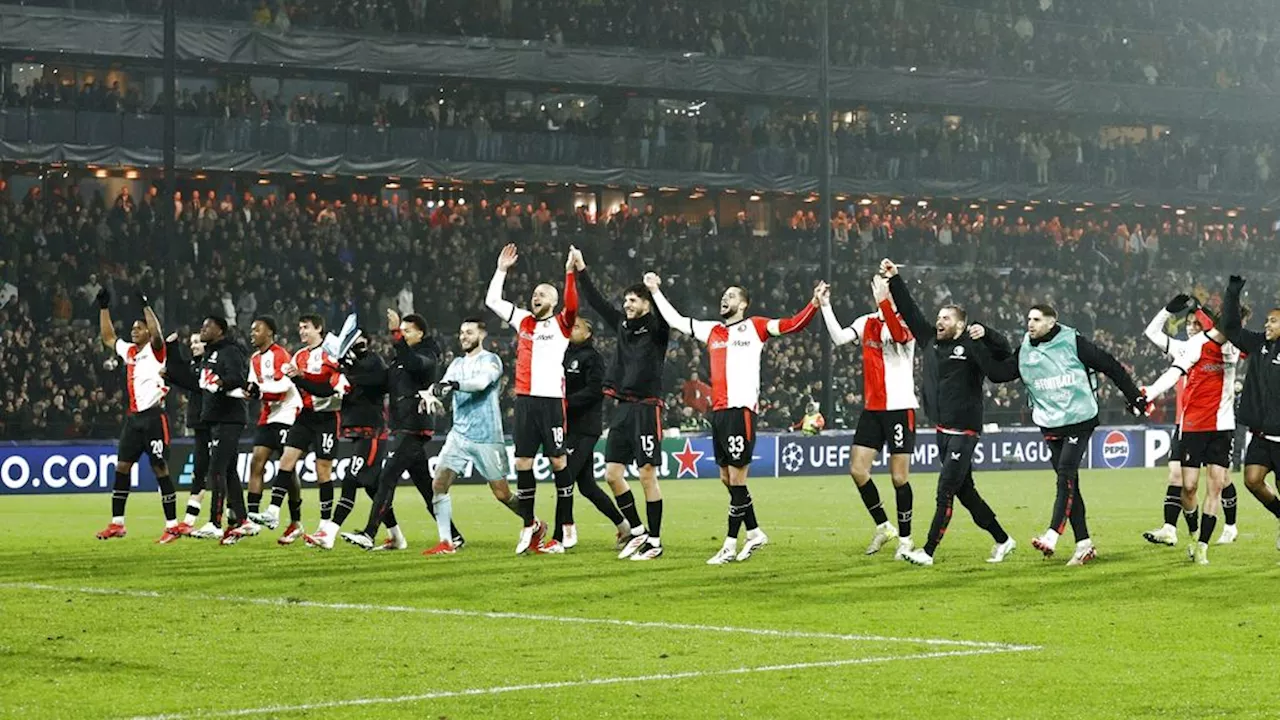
(734, 344)
(889, 409)
(952, 383)
(543, 336)
(473, 382)
(146, 429)
(1206, 423)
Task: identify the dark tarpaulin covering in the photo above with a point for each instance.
(622, 177)
(79, 34)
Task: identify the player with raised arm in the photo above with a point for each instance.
(1057, 365)
(735, 344)
(634, 379)
(543, 336)
(280, 406)
(363, 386)
(1260, 397)
(889, 410)
(473, 382)
(315, 429)
(1206, 423)
(1197, 321)
(953, 398)
(411, 371)
(146, 429)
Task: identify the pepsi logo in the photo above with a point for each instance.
(1115, 449)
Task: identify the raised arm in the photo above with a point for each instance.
(493, 298)
(569, 315)
(839, 335)
(606, 310)
(700, 329)
(1249, 341)
(153, 325)
(997, 370)
(106, 330)
(897, 331)
(916, 321)
(1155, 330)
(799, 321)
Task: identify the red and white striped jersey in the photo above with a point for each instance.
(888, 356)
(1209, 399)
(735, 351)
(281, 401)
(542, 343)
(316, 365)
(144, 373)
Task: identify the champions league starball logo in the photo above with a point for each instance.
(792, 457)
(1115, 449)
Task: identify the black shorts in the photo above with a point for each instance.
(1206, 448)
(893, 428)
(144, 433)
(635, 435)
(367, 455)
(1175, 446)
(733, 434)
(272, 436)
(1264, 452)
(316, 431)
(539, 424)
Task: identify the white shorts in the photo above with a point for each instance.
(488, 460)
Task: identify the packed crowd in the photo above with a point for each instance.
(289, 255)
(477, 125)
(1170, 42)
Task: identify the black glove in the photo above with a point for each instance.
(444, 389)
(252, 390)
(1236, 283)
(1139, 406)
(104, 299)
(142, 298)
(1180, 302)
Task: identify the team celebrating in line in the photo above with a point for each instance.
(336, 387)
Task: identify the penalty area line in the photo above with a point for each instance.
(504, 689)
(526, 617)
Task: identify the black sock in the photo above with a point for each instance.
(871, 498)
(1207, 525)
(168, 497)
(737, 509)
(902, 499)
(1193, 520)
(1229, 496)
(564, 502)
(1273, 506)
(526, 490)
(627, 506)
(119, 494)
(255, 502)
(326, 501)
(280, 487)
(653, 512)
(1172, 504)
(193, 507)
(347, 502)
(749, 520)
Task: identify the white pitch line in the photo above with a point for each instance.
(615, 622)
(502, 689)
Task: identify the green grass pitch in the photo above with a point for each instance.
(808, 628)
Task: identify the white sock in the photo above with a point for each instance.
(731, 543)
(1170, 528)
(655, 541)
(752, 534)
(637, 531)
(118, 520)
(170, 524)
(396, 535)
(189, 519)
(1052, 536)
(1087, 542)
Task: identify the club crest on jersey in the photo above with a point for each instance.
(742, 328)
(957, 352)
(573, 366)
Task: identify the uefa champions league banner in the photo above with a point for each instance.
(55, 468)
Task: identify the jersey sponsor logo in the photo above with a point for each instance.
(1057, 382)
(718, 344)
(1115, 449)
(741, 343)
